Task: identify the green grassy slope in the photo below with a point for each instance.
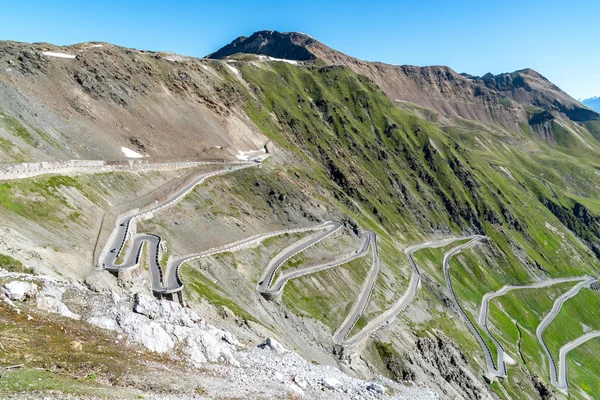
(407, 179)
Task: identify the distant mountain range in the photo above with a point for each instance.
(593, 103)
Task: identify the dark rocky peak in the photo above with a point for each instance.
(286, 45)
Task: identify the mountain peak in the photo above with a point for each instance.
(285, 45)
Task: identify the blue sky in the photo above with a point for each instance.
(560, 39)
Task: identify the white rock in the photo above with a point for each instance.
(291, 388)
(275, 345)
(54, 305)
(331, 383)
(104, 323)
(145, 305)
(18, 290)
(376, 387)
(149, 333)
(300, 381)
(228, 337)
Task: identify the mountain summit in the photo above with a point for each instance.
(285, 45)
(508, 99)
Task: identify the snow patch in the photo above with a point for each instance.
(58, 55)
(251, 155)
(96, 45)
(233, 69)
(269, 58)
(293, 62)
(130, 153)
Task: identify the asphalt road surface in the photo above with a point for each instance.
(282, 257)
(563, 383)
(493, 371)
(120, 236)
(550, 317)
(389, 315)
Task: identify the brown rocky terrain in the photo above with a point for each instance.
(110, 97)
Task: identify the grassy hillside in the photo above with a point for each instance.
(407, 179)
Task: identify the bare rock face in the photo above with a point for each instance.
(18, 290)
(447, 359)
(162, 326)
(50, 299)
(275, 345)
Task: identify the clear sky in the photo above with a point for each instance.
(560, 39)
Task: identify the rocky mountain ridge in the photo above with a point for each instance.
(506, 99)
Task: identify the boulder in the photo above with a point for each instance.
(300, 381)
(18, 290)
(149, 333)
(294, 390)
(54, 305)
(104, 323)
(376, 387)
(207, 345)
(145, 305)
(331, 383)
(275, 345)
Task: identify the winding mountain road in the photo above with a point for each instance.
(171, 281)
(550, 317)
(160, 283)
(493, 371)
(563, 383)
(388, 316)
(298, 247)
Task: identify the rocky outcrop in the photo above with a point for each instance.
(268, 370)
(18, 290)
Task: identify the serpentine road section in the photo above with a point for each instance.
(289, 252)
(562, 383)
(329, 228)
(550, 317)
(484, 310)
(132, 260)
(493, 372)
(391, 313)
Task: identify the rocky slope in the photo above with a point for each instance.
(164, 327)
(107, 97)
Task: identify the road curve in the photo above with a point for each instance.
(484, 309)
(363, 298)
(388, 316)
(550, 317)
(298, 247)
(175, 265)
(493, 371)
(298, 272)
(132, 260)
(563, 383)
